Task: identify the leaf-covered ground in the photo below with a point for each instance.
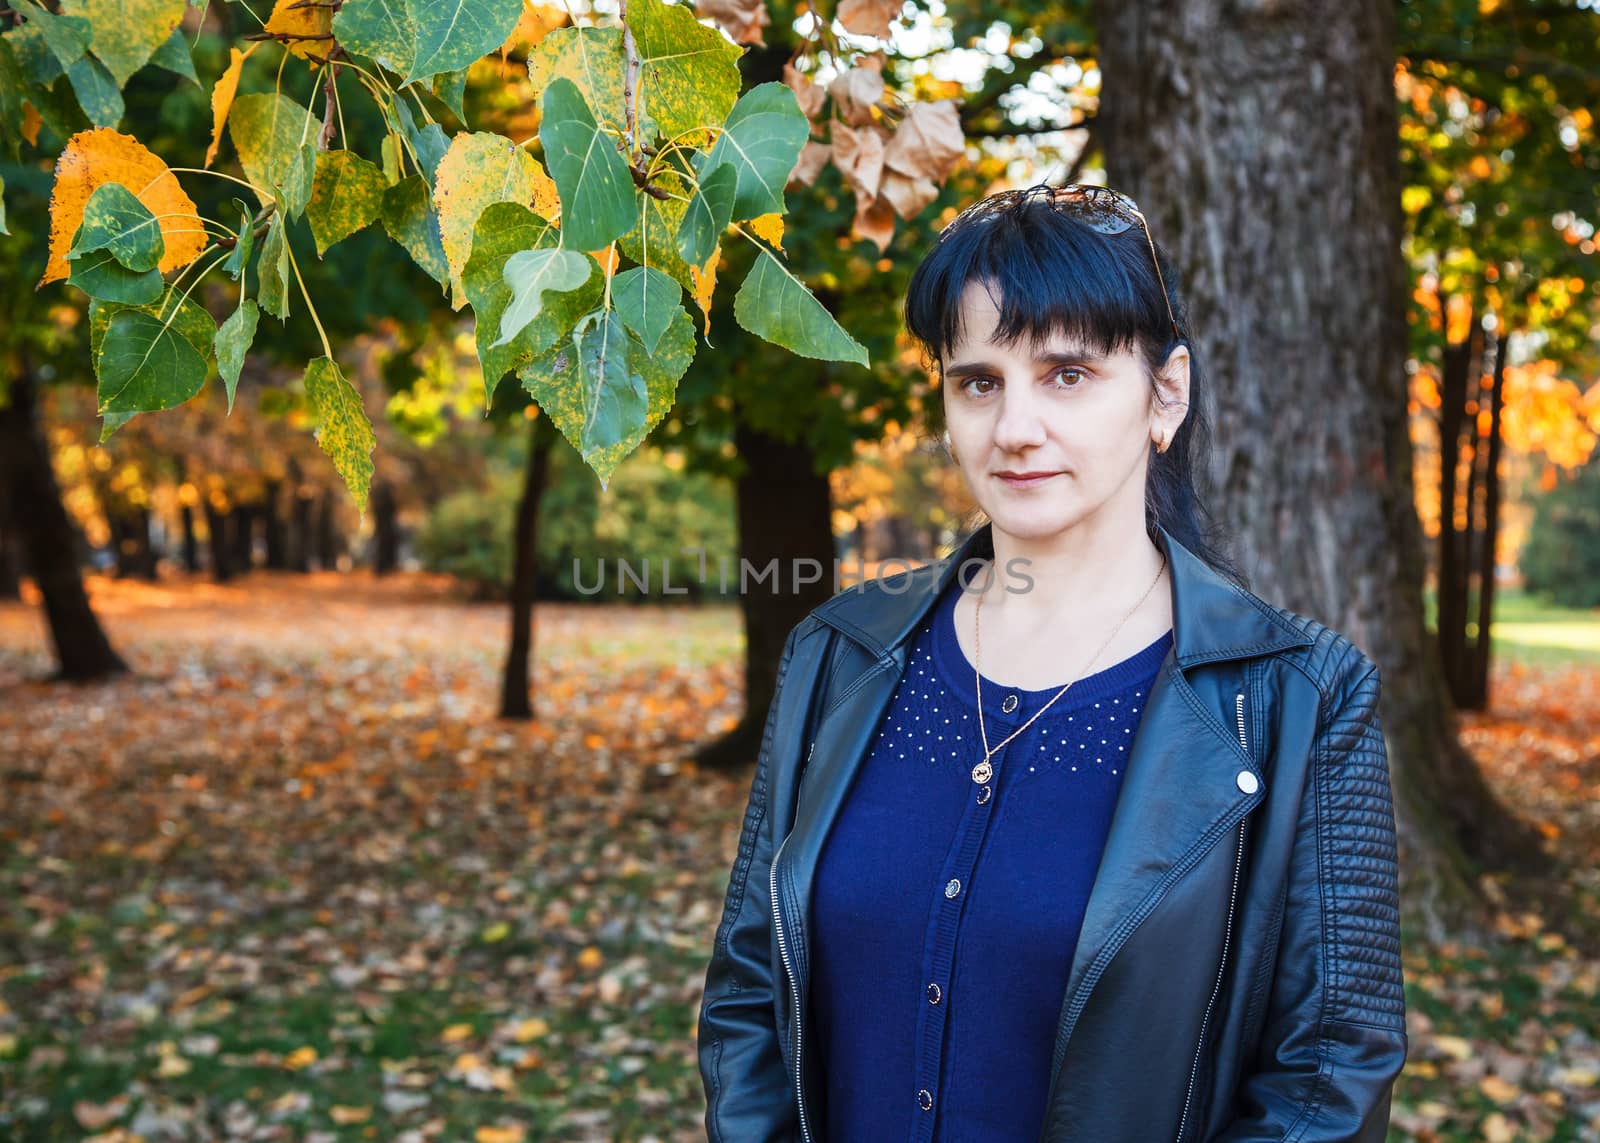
(292, 880)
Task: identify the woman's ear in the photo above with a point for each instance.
(1171, 403)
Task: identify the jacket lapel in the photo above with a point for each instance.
(1181, 790)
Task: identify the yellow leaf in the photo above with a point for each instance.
(770, 227)
(510, 1134)
(341, 1114)
(705, 284)
(591, 957)
(101, 155)
(1498, 1089)
(300, 1058)
(222, 97)
(172, 1065)
(290, 21)
(498, 931)
(607, 259)
(456, 1033)
(31, 124)
(531, 1029)
(480, 168)
(1454, 1046)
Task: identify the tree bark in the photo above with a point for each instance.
(191, 546)
(385, 529)
(1476, 696)
(516, 685)
(217, 531)
(785, 516)
(1458, 366)
(34, 512)
(328, 532)
(1224, 122)
(272, 516)
(10, 556)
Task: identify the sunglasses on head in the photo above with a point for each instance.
(1106, 210)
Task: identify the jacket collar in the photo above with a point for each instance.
(1213, 619)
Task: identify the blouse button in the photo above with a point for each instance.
(1248, 782)
(952, 887)
(983, 795)
(925, 1099)
(933, 994)
(982, 772)
(1010, 704)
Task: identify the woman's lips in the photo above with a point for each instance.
(1025, 481)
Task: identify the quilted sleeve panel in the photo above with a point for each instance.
(1358, 855)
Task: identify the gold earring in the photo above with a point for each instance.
(1161, 442)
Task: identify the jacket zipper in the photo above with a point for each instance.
(783, 952)
(1227, 937)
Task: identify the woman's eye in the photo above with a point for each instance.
(1078, 374)
(972, 381)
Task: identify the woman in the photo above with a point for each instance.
(1070, 837)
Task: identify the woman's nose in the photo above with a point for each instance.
(1020, 423)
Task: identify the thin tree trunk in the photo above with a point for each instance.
(191, 546)
(44, 533)
(1457, 366)
(328, 532)
(10, 556)
(385, 529)
(272, 516)
(217, 532)
(1297, 290)
(517, 679)
(1478, 675)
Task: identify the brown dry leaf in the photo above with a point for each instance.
(858, 153)
(811, 95)
(511, 1133)
(907, 196)
(874, 221)
(741, 19)
(813, 157)
(1498, 1089)
(769, 227)
(222, 97)
(855, 92)
(868, 17)
(101, 155)
(94, 1116)
(294, 22)
(928, 143)
(342, 1114)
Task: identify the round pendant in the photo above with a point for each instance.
(982, 772)
(1010, 704)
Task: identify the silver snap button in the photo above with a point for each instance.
(984, 795)
(1010, 704)
(1248, 782)
(933, 994)
(952, 887)
(925, 1099)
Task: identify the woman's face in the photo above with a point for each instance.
(1083, 421)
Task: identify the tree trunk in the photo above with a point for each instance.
(516, 686)
(328, 532)
(785, 516)
(10, 557)
(385, 529)
(191, 547)
(35, 514)
(242, 537)
(1224, 122)
(272, 516)
(217, 531)
(1458, 366)
(1476, 696)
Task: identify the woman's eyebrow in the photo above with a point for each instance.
(1055, 357)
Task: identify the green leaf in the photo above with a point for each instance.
(187, 316)
(775, 305)
(554, 381)
(297, 183)
(451, 88)
(127, 33)
(504, 229)
(233, 342)
(389, 153)
(272, 271)
(268, 131)
(146, 365)
(529, 274)
(383, 30)
(111, 422)
(96, 91)
(653, 238)
(591, 58)
(11, 97)
(346, 196)
(99, 274)
(114, 220)
(709, 211)
(762, 139)
(592, 179)
(345, 434)
(48, 45)
(174, 56)
(450, 34)
(409, 218)
(239, 260)
(429, 143)
(647, 301)
(3, 229)
(689, 73)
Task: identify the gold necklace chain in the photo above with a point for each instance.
(983, 771)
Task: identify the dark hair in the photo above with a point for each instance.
(1052, 272)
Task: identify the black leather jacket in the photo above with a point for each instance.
(1238, 972)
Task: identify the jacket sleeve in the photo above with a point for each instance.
(748, 1096)
(1334, 1036)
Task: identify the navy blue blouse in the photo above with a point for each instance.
(946, 909)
